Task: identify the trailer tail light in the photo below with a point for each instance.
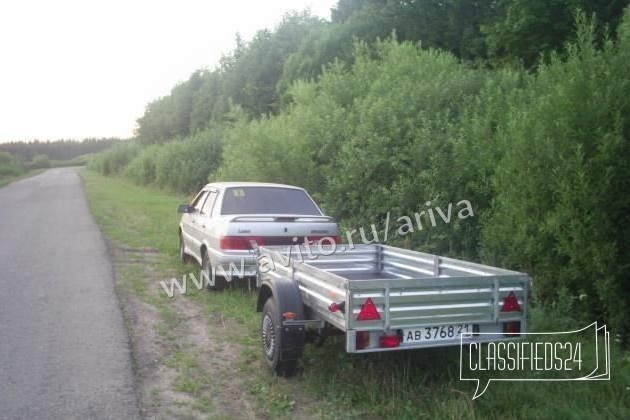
(337, 307)
(512, 329)
(389, 340)
(368, 312)
(363, 340)
(242, 243)
(510, 304)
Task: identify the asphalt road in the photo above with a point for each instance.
(64, 349)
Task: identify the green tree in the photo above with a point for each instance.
(452, 25)
(255, 72)
(525, 29)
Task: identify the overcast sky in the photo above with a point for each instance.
(76, 69)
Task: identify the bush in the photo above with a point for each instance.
(114, 160)
(560, 204)
(141, 169)
(367, 140)
(10, 165)
(40, 162)
(185, 166)
(181, 165)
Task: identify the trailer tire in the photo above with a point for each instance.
(273, 341)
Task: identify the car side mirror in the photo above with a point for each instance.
(184, 208)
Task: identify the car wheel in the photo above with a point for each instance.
(183, 257)
(214, 281)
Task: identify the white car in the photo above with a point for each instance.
(227, 220)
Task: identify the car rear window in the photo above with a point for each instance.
(267, 200)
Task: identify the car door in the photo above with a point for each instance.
(191, 232)
(205, 222)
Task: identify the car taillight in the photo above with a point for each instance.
(510, 304)
(239, 242)
(368, 312)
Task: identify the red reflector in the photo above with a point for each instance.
(289, 315)
(337, 307)
(363, 339)
(239, 242)
(510, 304)
(368, 311)
(389, 340)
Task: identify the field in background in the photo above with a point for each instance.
(418, 384)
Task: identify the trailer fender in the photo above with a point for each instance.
(286, 294)
(287, 298)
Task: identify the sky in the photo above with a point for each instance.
(78, 69)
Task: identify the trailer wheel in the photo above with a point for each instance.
(272, 341)
(219, 282)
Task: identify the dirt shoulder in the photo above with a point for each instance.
(184, 365)
(191, 360)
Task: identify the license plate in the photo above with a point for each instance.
(443, 332)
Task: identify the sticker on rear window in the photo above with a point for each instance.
(239, 193)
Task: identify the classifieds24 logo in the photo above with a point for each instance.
(580, 355)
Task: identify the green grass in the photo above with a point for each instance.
(414, 384)
(12, 178)
(135, 216)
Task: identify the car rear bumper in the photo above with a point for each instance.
(237, 264)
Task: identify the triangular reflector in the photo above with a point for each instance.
(510, 303)
(368, 311)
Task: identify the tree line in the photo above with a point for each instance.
(59, 149)
(257, 75)
(519, 106)
(18, 156)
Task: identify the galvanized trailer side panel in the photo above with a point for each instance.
(434, 265)
(318, 288)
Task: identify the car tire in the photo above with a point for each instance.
(183, 256)
(215, 282)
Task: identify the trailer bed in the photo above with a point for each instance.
(413, 292)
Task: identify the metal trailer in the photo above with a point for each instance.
(383, 299)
